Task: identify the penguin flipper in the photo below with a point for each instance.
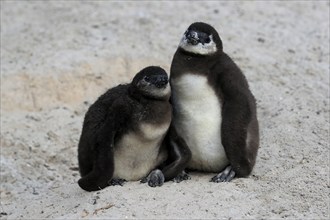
(179, 155)
(237, 128)
(102, 171)
(103, 164)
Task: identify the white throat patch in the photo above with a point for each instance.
(161, 92)
(203, 49)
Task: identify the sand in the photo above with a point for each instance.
(57, 57)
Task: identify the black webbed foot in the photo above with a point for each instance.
(225, 176)
(155, 178)
(116, 182)
(182, 176)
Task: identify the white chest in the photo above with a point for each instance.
(138, 153)
(197, 118)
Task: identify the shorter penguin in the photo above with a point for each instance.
(123, 135)
(214, 111)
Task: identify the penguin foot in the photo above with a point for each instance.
(155, 178)
(182, 176)
(225, 176)
(116, 182)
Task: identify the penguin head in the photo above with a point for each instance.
(201, 38)
(152, 82)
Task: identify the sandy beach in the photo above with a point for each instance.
(57, 57)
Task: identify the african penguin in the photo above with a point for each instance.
(214, 111)
(123, 135)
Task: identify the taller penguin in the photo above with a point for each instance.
(213, 108)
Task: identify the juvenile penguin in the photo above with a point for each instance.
(123, 135)
(214, 111)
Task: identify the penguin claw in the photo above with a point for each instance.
(182, 176)
(155, 178)
(144, 179)
(116, 182)
(225, 176)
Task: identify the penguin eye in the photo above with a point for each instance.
(207, 40)
(146, 78)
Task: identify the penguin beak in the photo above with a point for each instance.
(192, 37)
(161, 81)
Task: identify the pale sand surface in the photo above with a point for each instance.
(58, 57)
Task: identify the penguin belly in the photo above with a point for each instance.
(197, 118)
(137, 153)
